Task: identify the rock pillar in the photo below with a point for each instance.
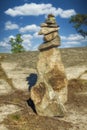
(50, 92)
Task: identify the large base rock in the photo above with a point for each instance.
(50, 92)
(46, 101)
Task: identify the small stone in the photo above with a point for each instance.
(50, 36)
(49, 25)
(46, 30)
(44, 25)
(53, 43)
(51, 19)
(53, 25)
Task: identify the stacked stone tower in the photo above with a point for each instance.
(50, 92)
(50, 31)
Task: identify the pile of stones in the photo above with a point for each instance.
(50, 31)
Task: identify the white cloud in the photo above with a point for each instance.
(29, 28)
(73, 40)
(11, 36)
(73, 37)
(35, 35)
(63, 37)
(27, 36)
(5, 43)
(31, 42)
(27, 41)
(35, 48)
(39, 9)
(85, 39)
(10, 26)
(64, 13)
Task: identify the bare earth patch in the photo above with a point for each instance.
(16, 114)
(26, 119)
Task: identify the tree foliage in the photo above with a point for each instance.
(80, 23)
(16, 44)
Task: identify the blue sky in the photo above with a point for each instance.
(25, 17)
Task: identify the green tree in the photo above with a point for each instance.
(80, 23)
(16, 44)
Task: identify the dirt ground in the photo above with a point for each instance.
(26, 119)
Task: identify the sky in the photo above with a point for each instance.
(25, 16)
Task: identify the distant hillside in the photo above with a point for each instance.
(70, 57)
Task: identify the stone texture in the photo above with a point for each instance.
(5, 88)
(49, 25)
(50, 36)
(76, 113)
(77, 72)
(44, 25)
(51, 19)
(84, 76)
(3, 127)
(50, 31)
(18, 75)
(53, 43)
(47, 30)
(5, 110)
(50, 92)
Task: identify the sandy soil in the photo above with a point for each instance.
(26, 119)
(18, 115)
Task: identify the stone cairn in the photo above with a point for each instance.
(50, 91)
(50, 31)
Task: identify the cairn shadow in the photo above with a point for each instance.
(31, 79)
(31, 104)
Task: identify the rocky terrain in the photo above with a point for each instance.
(15, 112)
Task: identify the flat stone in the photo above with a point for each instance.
(46, 30)
(54, 43)
(50, 21)
(5, 88)
(50, 36)
(53, 26)
(49, 25)
(44, 25)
